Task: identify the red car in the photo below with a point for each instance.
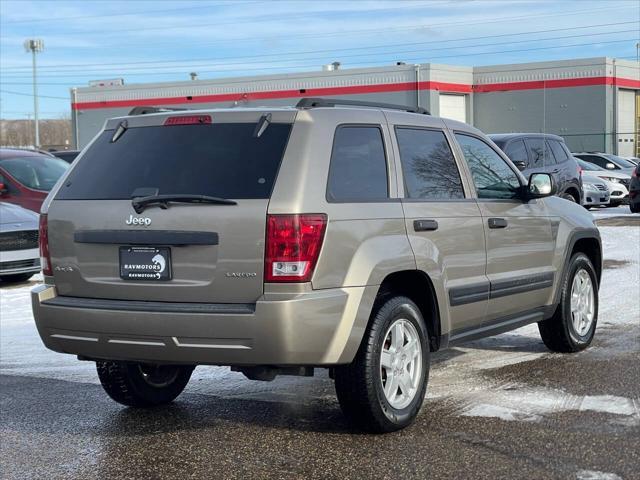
(26, 177)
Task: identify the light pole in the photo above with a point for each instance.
(35, 46)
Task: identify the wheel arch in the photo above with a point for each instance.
(584, 241)
(418, 286)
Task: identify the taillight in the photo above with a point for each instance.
(188, 120)
(45, 255)
(293, 246)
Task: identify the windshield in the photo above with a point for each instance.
(621, 162)
(221, 160)
(36, 172)
(589, 166)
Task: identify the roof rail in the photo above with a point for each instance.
(147, 110)
(334, 102)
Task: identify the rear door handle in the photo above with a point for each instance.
(425, 225)
(497, 223)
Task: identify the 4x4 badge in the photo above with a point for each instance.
(138, 220)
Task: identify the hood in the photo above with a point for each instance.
(14, 217)
(589, 178)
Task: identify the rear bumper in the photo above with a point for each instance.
(321, 327)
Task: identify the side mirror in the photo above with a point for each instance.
(610, 166)
(540, 185)
(3, 189)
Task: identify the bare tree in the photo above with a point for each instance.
(54, 133)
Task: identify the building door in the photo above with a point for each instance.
(626, 125)
(453, 107)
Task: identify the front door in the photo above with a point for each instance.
(518, 234)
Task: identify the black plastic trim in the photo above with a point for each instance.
(468, 294)
(516, 285)
(502, 288)
(146, 237)
(154, 307)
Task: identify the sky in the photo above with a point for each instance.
(144, 41)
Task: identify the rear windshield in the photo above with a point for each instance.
(221, 160)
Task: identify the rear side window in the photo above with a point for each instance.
(558, 151)
(221, 160)
(358, 170)
(517, 152)
(429, 169)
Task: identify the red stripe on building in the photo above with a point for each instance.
(277, 94)
(361, 89)
(560, 83)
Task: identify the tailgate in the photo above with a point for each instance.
(210, 253)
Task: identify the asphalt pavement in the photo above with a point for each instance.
(499, 408)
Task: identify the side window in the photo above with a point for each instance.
(594, 159)
(492, 176)
(358, 170)
(559, 152)
(537, 148)
(549, 156)
(517, 152)
(429, 169)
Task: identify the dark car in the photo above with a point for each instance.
(634, 191)
(66, 155)
(546, 153)
(27, 176)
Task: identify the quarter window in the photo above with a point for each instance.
(559, 152)
(429, 168)
(492, 176)
(358, 170)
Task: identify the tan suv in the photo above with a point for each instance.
(341, 235)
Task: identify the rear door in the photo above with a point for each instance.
(442, 219)
(202, 252)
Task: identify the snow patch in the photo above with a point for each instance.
(595, 475)
(522, 403)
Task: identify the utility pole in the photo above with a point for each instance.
(35, 46)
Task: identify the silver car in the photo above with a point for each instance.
(596, 193)
(19, 254)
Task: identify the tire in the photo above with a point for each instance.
(559, 333)
(634, 208)
(141, 385)
(359, 385)
(568, 196)
(19, 278)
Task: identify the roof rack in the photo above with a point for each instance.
(326, 102)
(147, 110)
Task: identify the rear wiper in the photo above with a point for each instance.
(140, 203)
